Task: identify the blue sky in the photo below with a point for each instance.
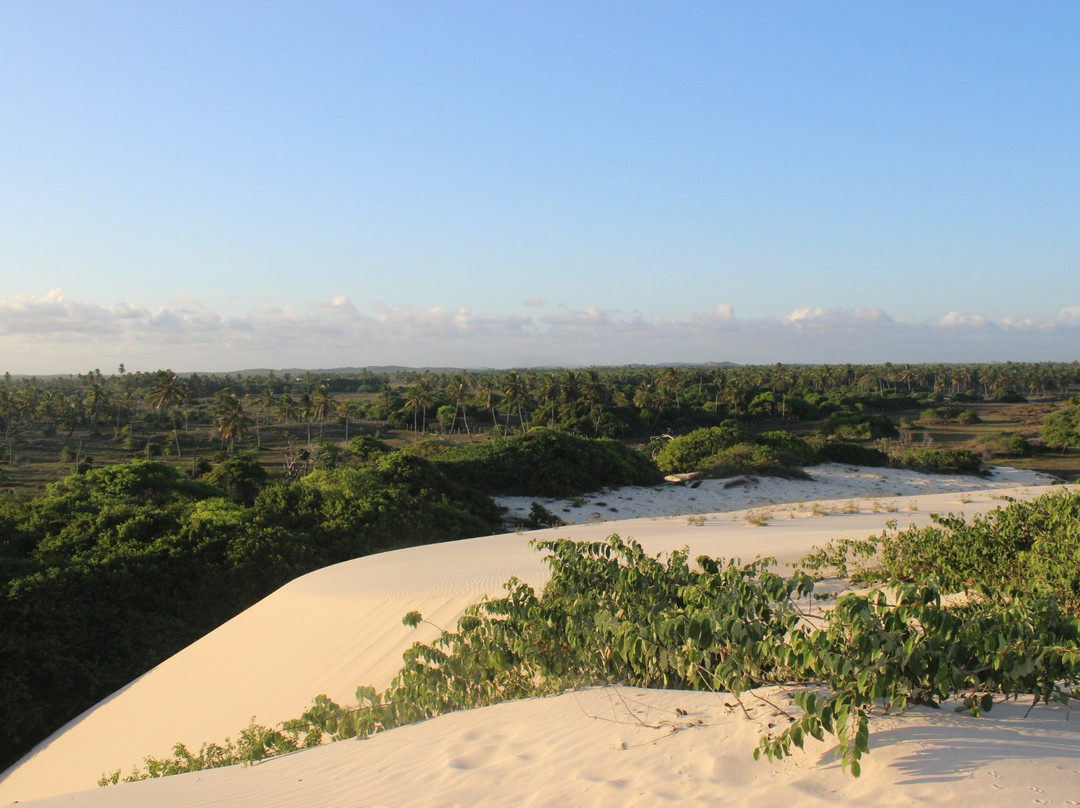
(219, 185)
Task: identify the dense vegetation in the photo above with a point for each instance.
(541, 463)
(114, 569)
(727, 449)
(1027, 546)
(1061, 429)
(612, 614)
(51, 426)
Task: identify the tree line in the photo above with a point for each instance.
(596, 402)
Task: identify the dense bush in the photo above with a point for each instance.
(1009, 397)
(1006, 445)
(541, 462)
(924, 458)
(839, 451)
(241, 477)
(689, 452)
(727, 450)
(117, 568)
(749, 458)
(1061, 429)
(949, 414)
(860, 426)
(804, 452)
(364, 448)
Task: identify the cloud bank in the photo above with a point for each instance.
(54, 334)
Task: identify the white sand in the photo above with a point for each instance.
(339, 627)
(830, 481)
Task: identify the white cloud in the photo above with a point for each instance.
(52, 333)
(820, 316)
(723, 311)
(961, 319)
(806, 313)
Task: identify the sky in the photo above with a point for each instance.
(212, 186)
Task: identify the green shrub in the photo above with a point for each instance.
(1018, 446)
(748, 458)
(859, 426)
(958, 461)
(791, 444)
(943, 413)
(689, 452)
(241, 477)
(541, 463)
(838, 451)
(1061, 428)
(1024, 545)
(1009, 397)
(540, 517)
(1006, 445)
(364, 447)
(950, 414)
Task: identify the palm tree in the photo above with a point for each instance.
(458, 390)
(127, 402)
(167, 393)
(595, 394)
(515, 393)
(346, 411)
(488, 395)
(74, 411)
(288, 409)
(420, 398)
(649, 398)
(669, 382)
(264, 405)
(230, 420)
(28, 397)
(306, 414)
(550, 390)
(8, 411)
(323, 404)
(97, 400)
(735, 395)
(571, 390)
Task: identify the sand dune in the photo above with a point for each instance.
(630, 747)
(339, 627)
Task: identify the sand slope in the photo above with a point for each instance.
(339, 627)
(630, 747)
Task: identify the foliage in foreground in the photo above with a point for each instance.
(1029, 547)
(611, 614)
